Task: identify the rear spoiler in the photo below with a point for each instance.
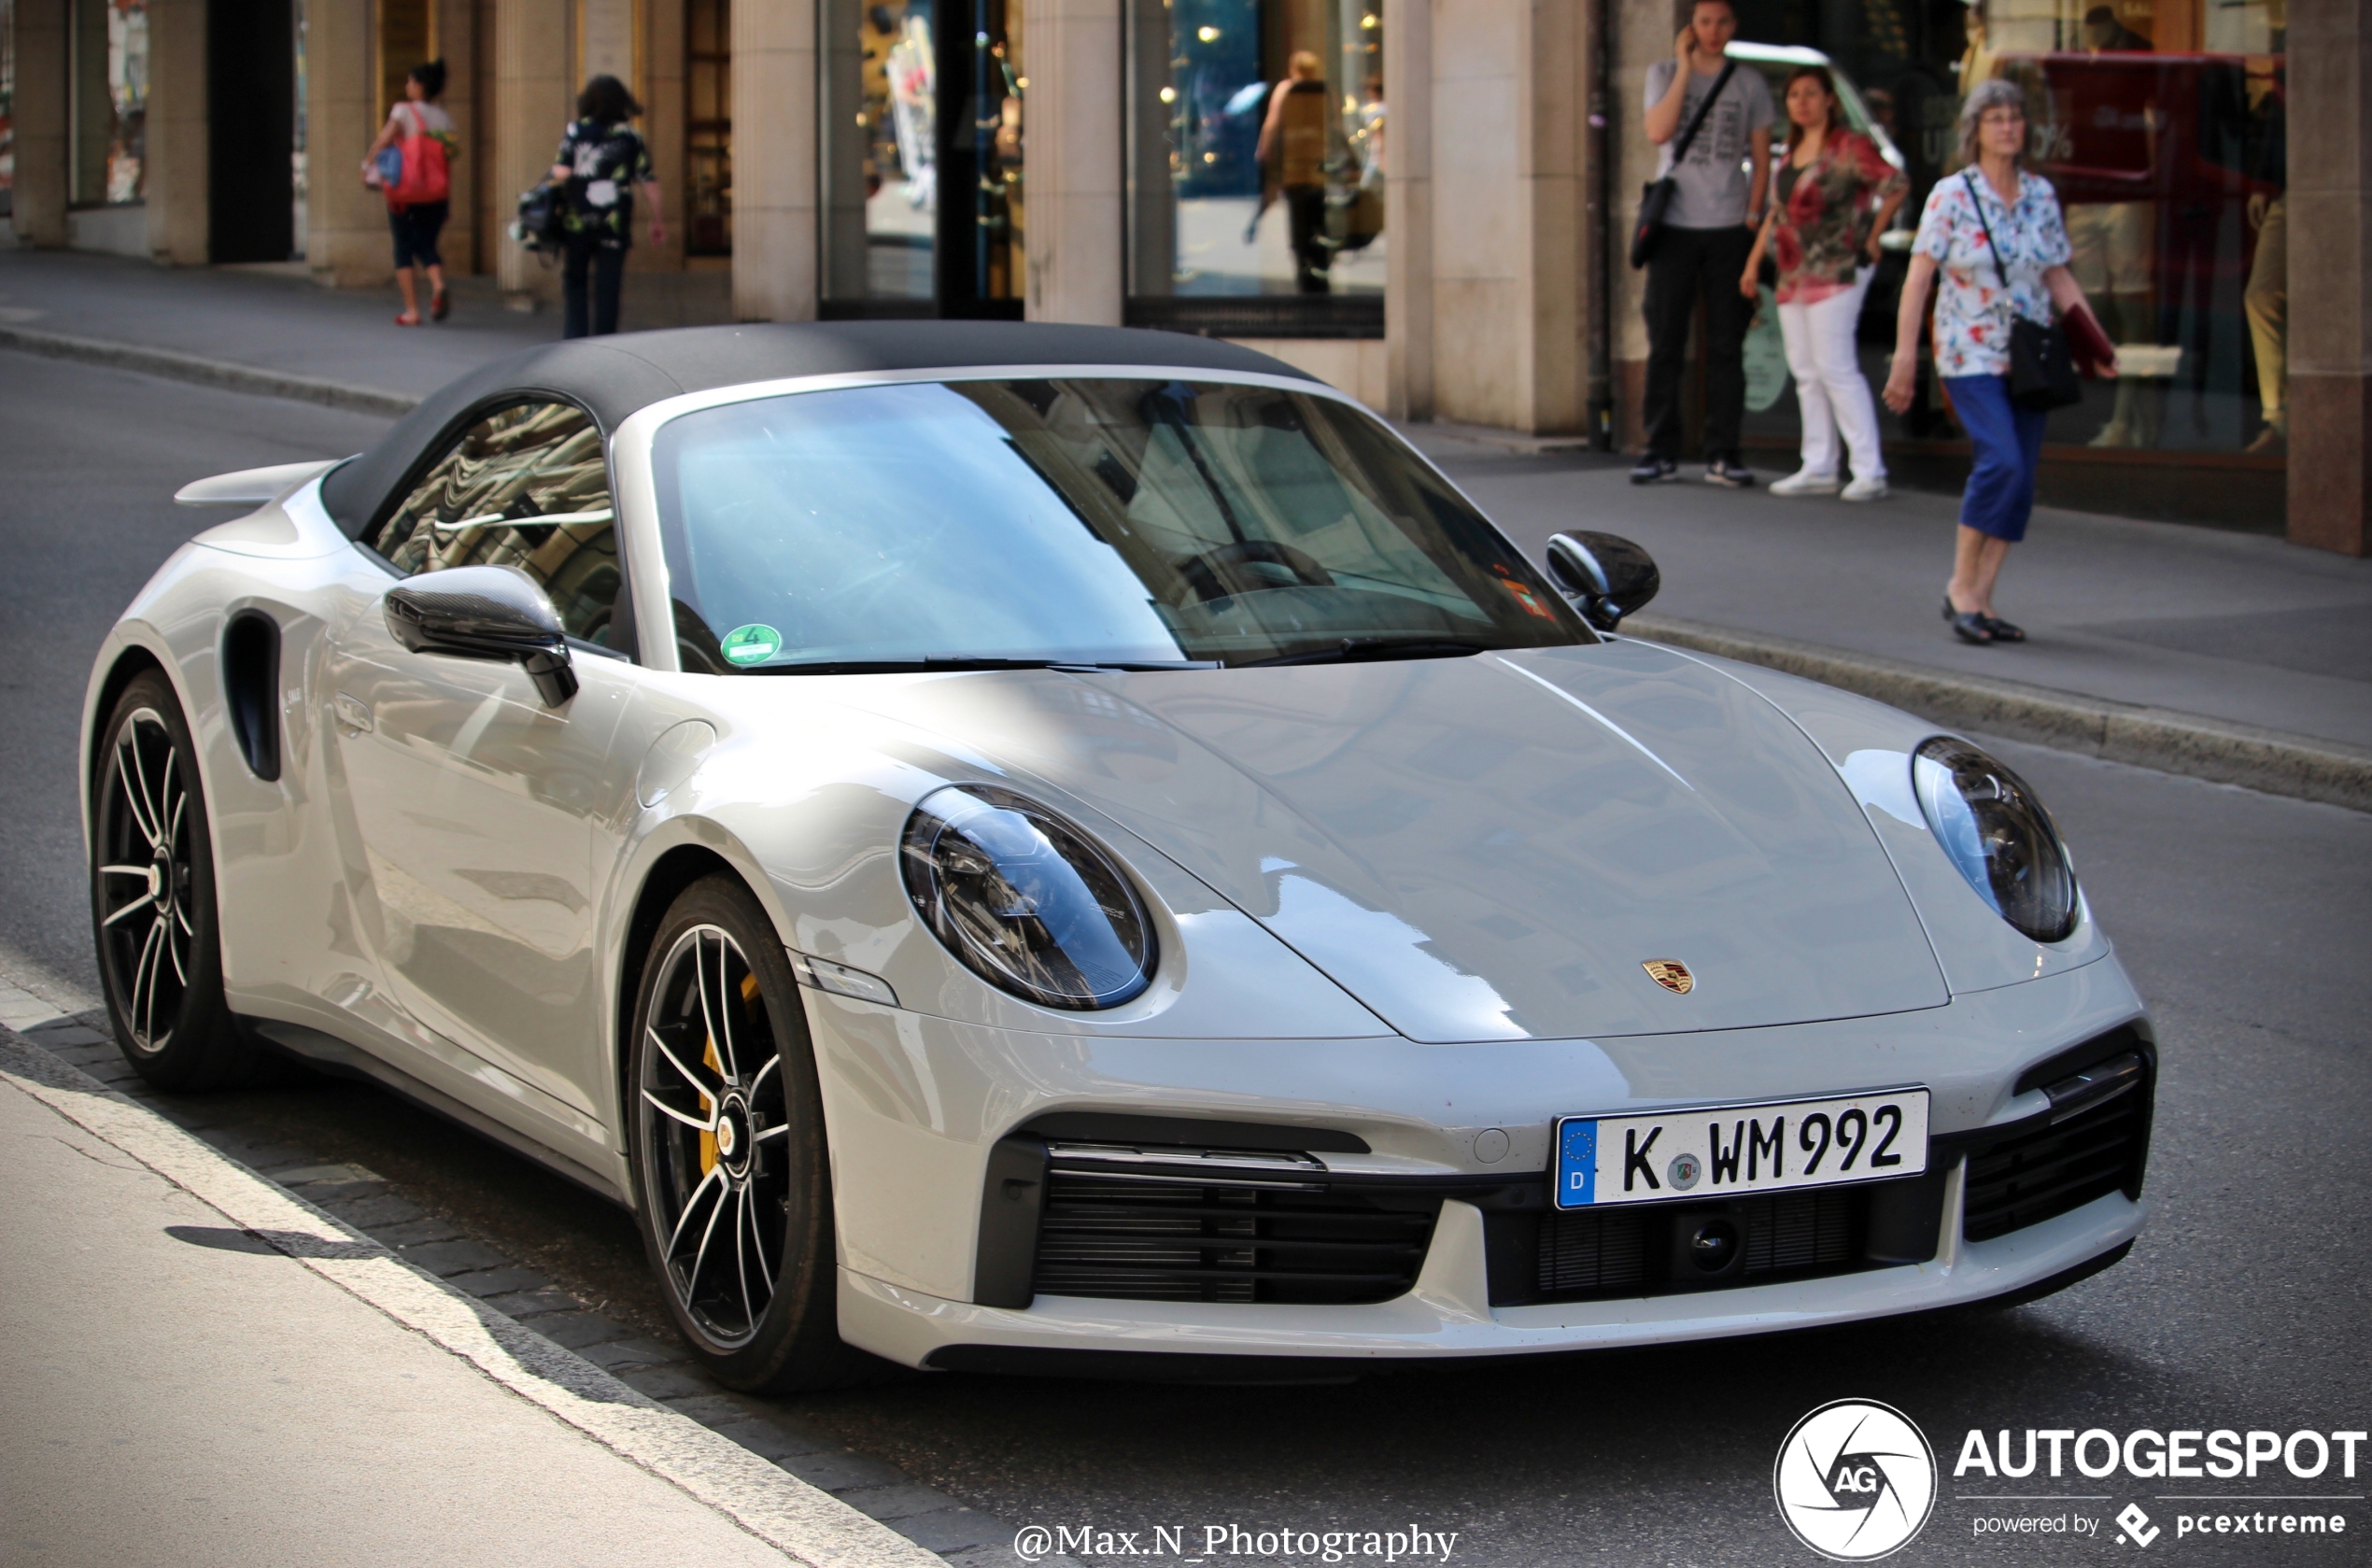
(252, 486)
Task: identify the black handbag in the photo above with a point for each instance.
(1655, 198)
(2042, 373)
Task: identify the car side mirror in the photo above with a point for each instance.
(1606, 576)
(486, 611)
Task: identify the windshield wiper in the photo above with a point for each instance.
(933, 663)
(1351, 650)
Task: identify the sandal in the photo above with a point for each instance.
(1968, 625)
(407, 321)
(440, 307)
(2002, 631)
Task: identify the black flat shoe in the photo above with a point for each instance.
(2002, 631)
(1970, 626)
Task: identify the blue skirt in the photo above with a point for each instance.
(2008, 449)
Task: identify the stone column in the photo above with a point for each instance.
(178, 180)
(1408, 208)
(775, 212)
(1071, 120)
(1509, 101)
(664, 112)
(457, 41)
(347, 225)
(1641, 33)
(2330, 327)
(534, 60)
(39, 210)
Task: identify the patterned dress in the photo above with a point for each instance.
(1973, 311)
(1824, 223)
(605, 162)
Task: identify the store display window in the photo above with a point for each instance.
(2161, 124)
(1255, 165)
(923, 196)
(108, 62)
(707, 127)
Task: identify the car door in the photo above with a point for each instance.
(481, 812)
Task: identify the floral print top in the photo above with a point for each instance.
(1824, 222)
(1973, 311)
(606, 162)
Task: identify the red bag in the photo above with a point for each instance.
(2087, 344)
(427, 173)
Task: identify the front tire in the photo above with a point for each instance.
(730, 1163)
(152, 899)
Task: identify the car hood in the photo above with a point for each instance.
(1493, 847)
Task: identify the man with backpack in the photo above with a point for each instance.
(1711, 117)
(411, 165)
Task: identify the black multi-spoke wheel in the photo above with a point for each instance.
(728, 1146)
(152, 899)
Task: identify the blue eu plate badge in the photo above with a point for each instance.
(1576, 1164)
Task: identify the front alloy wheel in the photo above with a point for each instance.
(736, 1202)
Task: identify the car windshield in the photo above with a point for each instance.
(1095, 522)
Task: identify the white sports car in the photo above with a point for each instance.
(1015, 846)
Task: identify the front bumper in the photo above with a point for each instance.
(922, 1110)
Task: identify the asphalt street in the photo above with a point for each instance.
(2247, 1304)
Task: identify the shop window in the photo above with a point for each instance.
(922, 176)
(1256, 156)
(108, 62)
(7, 105)
(707, 127)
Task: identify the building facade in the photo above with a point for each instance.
(1423, 200)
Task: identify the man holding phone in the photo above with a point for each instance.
(1707, 231)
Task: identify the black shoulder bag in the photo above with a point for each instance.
(1655, 200)
(2043, 374)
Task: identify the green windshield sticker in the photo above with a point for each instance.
(751, 644)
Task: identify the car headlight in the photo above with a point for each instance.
(1989, 821)
(1028, 902)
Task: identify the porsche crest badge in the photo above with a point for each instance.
(1672, 974)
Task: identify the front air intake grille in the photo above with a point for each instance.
(1144, 1237)
(1630, 1251)
(2043, 1169)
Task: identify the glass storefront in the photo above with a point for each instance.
(923, 194)
(707, 127)
(1256, 164)
(2160, 123)
(108, 62)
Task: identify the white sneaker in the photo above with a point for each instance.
(1865, 490)
(1805, 484)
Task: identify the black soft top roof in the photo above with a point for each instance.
(615, 376)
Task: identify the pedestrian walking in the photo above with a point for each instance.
(602, 160)
(411, 165)
(1719, 114)
(1994, 234)
(1293, 134)
(1834, 195)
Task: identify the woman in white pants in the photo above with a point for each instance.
(1834, 195)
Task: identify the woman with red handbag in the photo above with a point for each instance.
(411, 165)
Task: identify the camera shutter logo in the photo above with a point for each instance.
(1855, 1480)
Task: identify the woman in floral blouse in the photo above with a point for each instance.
(2020, 271)
(1835, 196)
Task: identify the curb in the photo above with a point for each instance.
(807, 1524)
(2216, 750)
(224, 374)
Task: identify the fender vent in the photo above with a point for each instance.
(252, 689)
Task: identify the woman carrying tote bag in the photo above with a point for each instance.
(1995, 234)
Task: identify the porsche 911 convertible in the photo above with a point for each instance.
(1019, 847)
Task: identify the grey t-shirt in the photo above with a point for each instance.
(1713, 179)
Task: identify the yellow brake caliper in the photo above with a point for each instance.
(708, 1107)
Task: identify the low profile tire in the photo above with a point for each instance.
(733, 1183)
(152, 900)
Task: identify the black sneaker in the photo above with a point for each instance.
(1655, 470)
(1729, 475)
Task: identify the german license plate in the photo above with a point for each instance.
(1723, 1149)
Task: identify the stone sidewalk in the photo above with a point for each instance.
(2229, 655)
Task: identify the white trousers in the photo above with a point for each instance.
(1829, 389)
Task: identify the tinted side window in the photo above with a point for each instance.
(527, 486)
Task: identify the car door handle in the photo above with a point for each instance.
(354, 715)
